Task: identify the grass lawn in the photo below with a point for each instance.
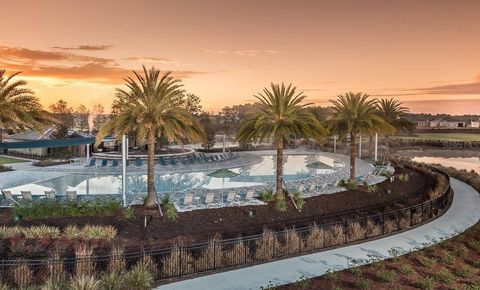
(7, 160)
(444, 136)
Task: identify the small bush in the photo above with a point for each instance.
(334, 235)
(444, 276)
(84, 282)
(461, 251)
(357, 271)
(303, 282)
(476, 263)
(266, 195)
(171, 211)
(139, 278)
(447, 258)
(315, 237)
(112, 281)
(425, 283)
(22, 275)
(425, 261)
(406, 269)
(98, 232)
(355, 231)
(72, 232)
(84, 262)
(128, 213)
(464, 272)
(362, 284)
(52, 284)
(117, 261)
(387, 276)
(281, 205)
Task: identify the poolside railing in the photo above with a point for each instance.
(214, 255)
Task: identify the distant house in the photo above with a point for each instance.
(48, 134)
(420, 121)
(474, 124)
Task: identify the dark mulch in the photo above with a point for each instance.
(201, 225)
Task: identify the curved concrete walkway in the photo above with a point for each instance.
(464, 212)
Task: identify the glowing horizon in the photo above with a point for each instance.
(422, 53)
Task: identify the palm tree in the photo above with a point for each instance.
(148, 109)
(19, 108)
(393, 113)
(356, 114)
(281, 116)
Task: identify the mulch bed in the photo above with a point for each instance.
(202, 225)
(459, 279)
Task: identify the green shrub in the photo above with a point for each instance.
(356, 271)
(98, 232)
(138, 278)
(425, 283)
(445, 276)
(84, 282)
(281, 205)
(362, 284)
(55, 283)
(464, 272)
(387, 276)
(267, 195)
(425, 261)
(352, 185)
(406, 269)
(128, 213)
(476, 263)
(47, 208)
(112, 281)
(303, 282)
(461, 251)
(171, 211)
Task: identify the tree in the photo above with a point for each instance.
(281, 115)
(147, 108)
(209, 130)
(81, 118)
(64, 114)
(98, 117)
(393, 112)
(356, 114)
(19, 108)
(189, 102)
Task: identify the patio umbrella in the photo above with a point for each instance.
(222, 173)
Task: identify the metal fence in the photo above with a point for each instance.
(215, 255)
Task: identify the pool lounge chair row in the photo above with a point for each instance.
(27, 195)
(232, 198)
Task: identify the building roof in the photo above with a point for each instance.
(47, 134)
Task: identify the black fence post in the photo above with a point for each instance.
(345, 227)
(214, 255)
(181, 260)
(245, 246)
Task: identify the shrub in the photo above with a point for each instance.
(266, 247)
(445, 276)
(128, 213)
(266, 195)
(55, 267)
(425, 261)
(281, 205)
(112, 281)
(315, 237)
(171, 263)
(117, 261)
(362, 284)
(42, 231)
(476, 263)
(84, 262)
(373, 228)
(98, 232)
(357, 271)
(21, 275)
(84, 282)
(334, 235)
(387, 276)
(72, 232)
(303, 282)
(210, 257)
(138, 278)
(406, 269)
(235, 255)
(355, 231)
(53, 284)
(352, 185)
(426, 283)
(293, 242)
(447, 258)
(464, 272)
(461, 251)
(171, 211)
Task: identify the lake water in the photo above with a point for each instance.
(468, 163)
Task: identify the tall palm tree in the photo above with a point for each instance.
(147, 108)
(356, 114)
(19, 108)
(280, 116)
(393, 113)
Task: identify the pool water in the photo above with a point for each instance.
(468, 163)
(295, 168)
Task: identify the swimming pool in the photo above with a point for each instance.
(295, 168)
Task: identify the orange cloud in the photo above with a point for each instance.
(86, 47)
(151, 59)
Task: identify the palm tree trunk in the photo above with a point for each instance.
(151, 170)
(387, 148)
(279, 190)
(352, 155)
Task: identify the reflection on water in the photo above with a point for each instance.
(257, 174)
(468, 163)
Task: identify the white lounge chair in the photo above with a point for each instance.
(7, 195)
(313, 188)
(301, 188)
(209, 198)
(187, 200)
(71, 195)
(27, 195)
(231, 196)
(324, 185)
(50, 194)
(249, 195)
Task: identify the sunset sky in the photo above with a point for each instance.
(426, 53)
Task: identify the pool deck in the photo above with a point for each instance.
(464, 213)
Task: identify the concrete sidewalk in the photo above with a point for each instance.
(464, 213)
